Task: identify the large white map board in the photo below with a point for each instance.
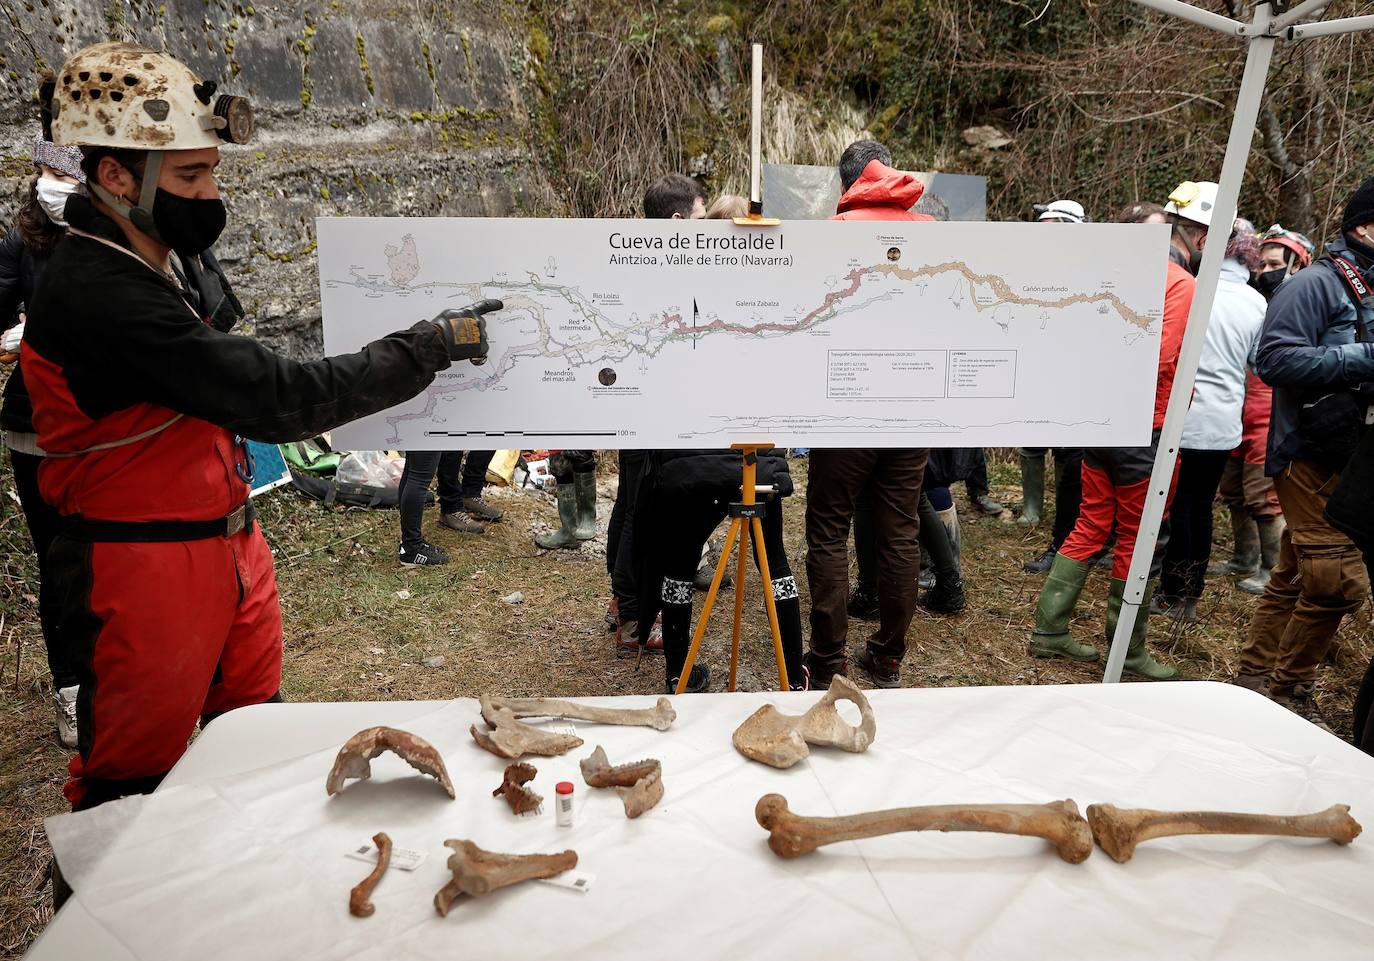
(663, 334)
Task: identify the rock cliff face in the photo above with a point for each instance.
(364, 108)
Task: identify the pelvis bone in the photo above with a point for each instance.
(511, 739)
(782, 740)
(791, 836)
(1119, 830)
(658, 717)
(354, 758)
(477, 872)
(520, 798)
(639, 784)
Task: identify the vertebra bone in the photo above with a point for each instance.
(1118, 830)
(477, 872)
(791, 836)
(781, 740)
(519, 797)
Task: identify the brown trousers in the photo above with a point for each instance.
(1320, 577)
(1244, 488)
(892, 480)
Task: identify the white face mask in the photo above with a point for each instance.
(52, 195)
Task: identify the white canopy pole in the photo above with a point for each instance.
(1261, 49)
(756, 133)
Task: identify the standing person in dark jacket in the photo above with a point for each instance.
(1316, 352)
(683, 496)
(167, 586)
(891, 479)
(23, 254)
(1351, 511)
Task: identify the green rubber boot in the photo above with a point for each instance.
(1058, 597)
(584, 486)
(1033, 486)
(1138, 658)
(563, 538)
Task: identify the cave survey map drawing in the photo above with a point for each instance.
(661, 334)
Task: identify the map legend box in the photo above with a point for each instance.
(886, 374)
(982, 373)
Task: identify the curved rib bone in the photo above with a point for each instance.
(519, 797)
(639, 783)
(477, 872)
(659, 717)
(511, 739)
(1119, 830)
(354, 758)
(791, 836)
(781, 740)
(358, 904)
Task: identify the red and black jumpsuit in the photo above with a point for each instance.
(166, 589)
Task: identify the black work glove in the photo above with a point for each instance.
(465, 331)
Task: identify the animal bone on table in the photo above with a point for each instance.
(511, 739)
(354, 758)
(639, 783)
(477, 872)
(781, 740)
(791, 836)
(1119, 830)
(358, 904)
(658, 717)
(520, 798)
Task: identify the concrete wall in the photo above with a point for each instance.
(364, 108)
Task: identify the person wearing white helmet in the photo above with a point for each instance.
(1061, 212)
(166, 584)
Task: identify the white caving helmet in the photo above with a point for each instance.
(123, 96)
(1067, 211)
(1193, 201)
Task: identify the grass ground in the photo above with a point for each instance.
(360, 627)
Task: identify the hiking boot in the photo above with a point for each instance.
(1304, 705)
(987, 505)
(1041, 563)
(459, 521)
(65, 703)
(1033, 485)
(1059, 596)
(563, 538)
(698, 681)
(1138, 658)
(804, 685)
(1103, 559)
(481, 509)
(612, 615)
(946, 597)
(425, 555)
(584, 495)
(886, 672)
(1259, 683)
(627, 638)
(821, 672)
(925, 580)
(706, 570)
(1179, 608)
(1245, 555)
(863, 604)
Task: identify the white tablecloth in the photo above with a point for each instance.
(241, 853)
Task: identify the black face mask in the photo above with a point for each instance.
(188, 226)
(1268, 281)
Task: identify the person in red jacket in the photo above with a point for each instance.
(165, 583)
(889, 478)
(1116, 480)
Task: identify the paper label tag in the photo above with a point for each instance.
(403, 859)
(572, 880)
(532, 814)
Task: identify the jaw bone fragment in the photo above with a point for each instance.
(1119, 830)
(781, 740)
(511, 739)
(658, 717)
(358, 904)
(520, 798)
(791, 836)
(477, 872)
(639, 784)
(354, 757)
